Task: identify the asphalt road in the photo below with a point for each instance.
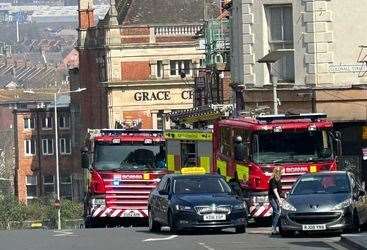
(139, 238)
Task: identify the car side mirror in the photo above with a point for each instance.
(361, 193)
(163, 192)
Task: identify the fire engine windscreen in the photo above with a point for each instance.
(129, 156)
(291, 146)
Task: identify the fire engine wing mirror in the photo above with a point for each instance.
(85, 157)
(239, 151)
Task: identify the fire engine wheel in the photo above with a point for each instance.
(153, 225)
(90, 223)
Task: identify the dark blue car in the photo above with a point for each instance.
(195, 201)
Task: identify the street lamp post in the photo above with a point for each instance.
(57, 146)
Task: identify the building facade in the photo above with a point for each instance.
(35, 172)
(317, 50)
(139, 62)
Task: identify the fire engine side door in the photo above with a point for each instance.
(241, 164)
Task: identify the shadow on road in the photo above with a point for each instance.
(308, 244)
(189, 232)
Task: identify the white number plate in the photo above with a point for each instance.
(313, 227)
(131, 213)
(214, 217)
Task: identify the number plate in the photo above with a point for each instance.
(131, 213)
(214, 217)
(313, 227)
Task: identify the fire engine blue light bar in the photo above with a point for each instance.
(311, 116)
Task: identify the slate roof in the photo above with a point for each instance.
(164, 12)
(17, 95)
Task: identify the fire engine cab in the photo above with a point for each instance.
(247, 149)
(122, 167)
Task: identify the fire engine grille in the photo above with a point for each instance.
(129, 194)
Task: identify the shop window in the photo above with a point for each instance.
(47, 122)
(29, 147)
(66, 186)
(177, 66)
(225, 141)
(28, 123)
(31, 187)
(47, 147)
(280, 30)
(160, 119)
(65, 146)
(48, 184)
(188, 154)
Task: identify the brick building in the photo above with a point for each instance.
(130, 62)
(35, 173)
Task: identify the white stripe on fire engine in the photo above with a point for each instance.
(252, 209)
(259, 211)
(145, 212)
(269, 212)
(97, 211)
(115, 213)
(104, 214)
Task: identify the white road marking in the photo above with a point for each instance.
(206, 246)
(63, 233)
(161, 239)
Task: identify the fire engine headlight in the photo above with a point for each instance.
(98, 202)
(183, 208)
(287, 206)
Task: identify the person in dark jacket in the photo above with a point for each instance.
(275, 189)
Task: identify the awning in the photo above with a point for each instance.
(274, 56)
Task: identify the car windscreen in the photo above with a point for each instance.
(200, 185)
(129, 156)
(322, 184)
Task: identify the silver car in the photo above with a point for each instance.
(332, 201)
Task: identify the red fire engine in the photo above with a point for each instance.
(123, 166)
(247, 149)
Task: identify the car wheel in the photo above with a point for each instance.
(171, 223)
(240, 229)
(153, 225)
(355, 227)
(90, 223)
(285, 233)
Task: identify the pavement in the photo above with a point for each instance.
(356, 241)
(139, 238)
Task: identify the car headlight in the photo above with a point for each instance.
(241, 205)
(287, 206)
(343, 204)
(183, 208)
(98, 202)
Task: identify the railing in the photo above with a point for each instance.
(184, 30)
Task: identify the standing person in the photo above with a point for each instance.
(275, 189)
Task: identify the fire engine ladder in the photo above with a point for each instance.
(202, 114)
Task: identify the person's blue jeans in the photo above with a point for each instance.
(276, 212)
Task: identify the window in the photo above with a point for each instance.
(66, 186)
(28, 123)
(64, 121)
(65, 146)
(30, 147)
(177, 66)
(188, 154)
(225, 138)
(159, 69)
(280, 23)
(31, 187)
(48, 184)
(47, 147)
(47, 122)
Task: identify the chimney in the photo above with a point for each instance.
(86, 21)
